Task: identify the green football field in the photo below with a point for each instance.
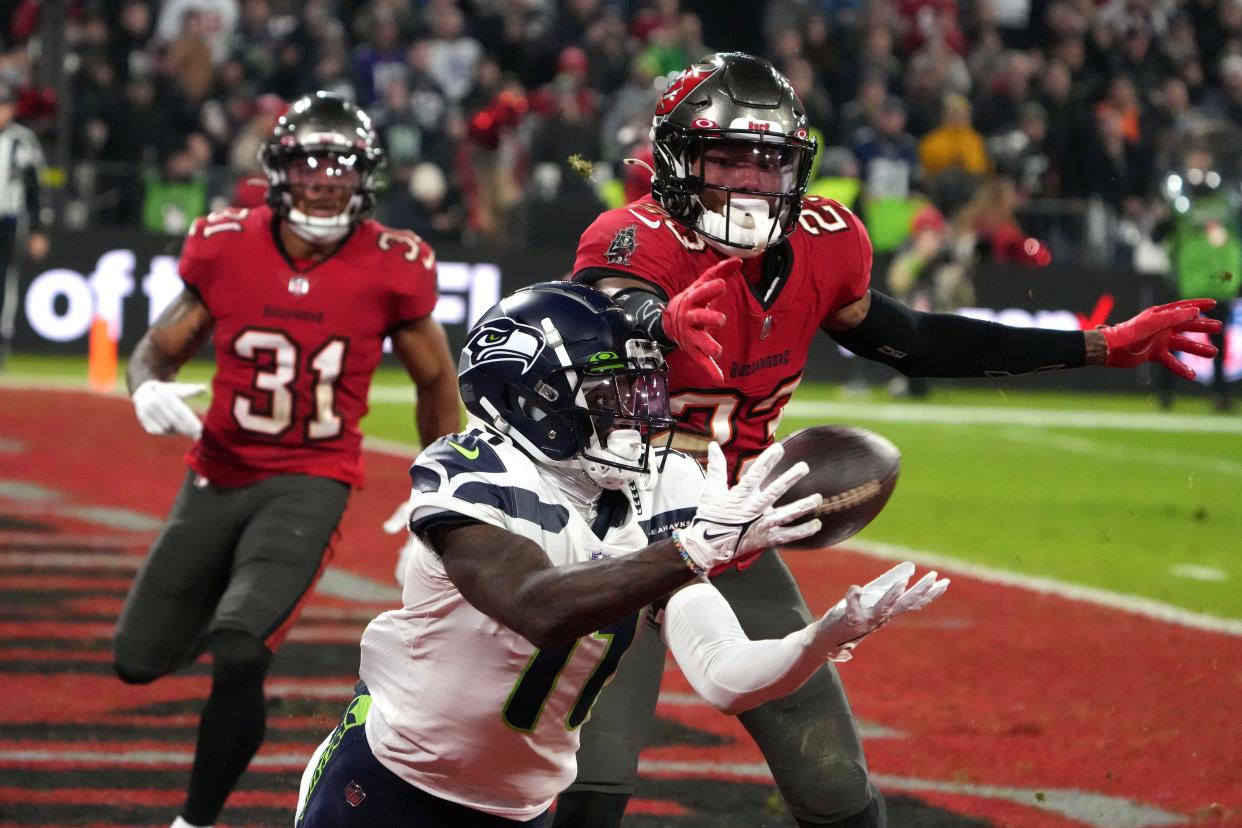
(1106, 492)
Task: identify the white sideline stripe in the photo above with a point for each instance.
(1040, 417)
(1091, 808)
(1195, 572)
(1048, 586)
(823, 409)
(1085, 445)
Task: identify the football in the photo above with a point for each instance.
(853, 468)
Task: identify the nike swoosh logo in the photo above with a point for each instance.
(654, 225)
(713, 537)
(469, 454)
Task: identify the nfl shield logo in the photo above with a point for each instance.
(354, 794)
(299, 285)
(767, 327)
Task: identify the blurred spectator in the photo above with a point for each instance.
(1200, 226)
(399, 131)
(1114, 167)
(189, 58)
(863, 109)
(381, 59)
(175, 192)
(244, 153)
(814, 97)
(454, 55)
(21, 220)
(952, 154)
(999, 104)
(1022, 154)
(608, 45)
(139, 131)
(1225, 102)
(127, 45)
(219, 17)
(494, 160)
(426, 205)
(836, 177)
(627, 118)
(888, 164)
(988, 226)
(928, 275)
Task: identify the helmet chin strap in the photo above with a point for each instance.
(749, 229)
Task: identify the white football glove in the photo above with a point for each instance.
(161, 407)
(730, 522)
(398, 523)
(865, 609)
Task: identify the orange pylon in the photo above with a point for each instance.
(101, 367)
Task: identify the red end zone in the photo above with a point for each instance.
(1014, 707)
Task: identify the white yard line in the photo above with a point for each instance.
(1158, 457)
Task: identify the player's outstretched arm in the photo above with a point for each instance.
(947, 345)
(687, 321)
(173, 338)
(1154, 334)
(423, 349)
(735, 674)
(512, 579)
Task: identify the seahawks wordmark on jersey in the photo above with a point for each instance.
(455, 692)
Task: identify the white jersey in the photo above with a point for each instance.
(462, 706)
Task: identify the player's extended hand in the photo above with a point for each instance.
(689, 319)
(733, 521)
(161, 407)
(865, 609)
(1155, 333)
(398, 523)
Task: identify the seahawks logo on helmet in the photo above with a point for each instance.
(503, 340)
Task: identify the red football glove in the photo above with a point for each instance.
(688, 318)
(1151, 335)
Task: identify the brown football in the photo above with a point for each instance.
(853, 468)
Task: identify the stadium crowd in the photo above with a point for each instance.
(480, 105)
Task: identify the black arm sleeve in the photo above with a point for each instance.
(946, 345)
(644, 305)
(32, 199)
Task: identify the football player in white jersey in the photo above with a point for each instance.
(541, 534)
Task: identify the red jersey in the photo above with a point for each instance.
(296, 344)
(825, 265)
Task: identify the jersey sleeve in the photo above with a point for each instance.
(463, 477)
(841, 239)
(194, 264)
(640, 243)
(411, 263)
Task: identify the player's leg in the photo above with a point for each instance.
(619, 727)
(165, 616)
(823, 779)
(277, 560)
(344, 786)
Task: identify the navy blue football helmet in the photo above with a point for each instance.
(556, 367)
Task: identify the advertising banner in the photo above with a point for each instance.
(128, 277)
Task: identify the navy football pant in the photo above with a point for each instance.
(345, 786)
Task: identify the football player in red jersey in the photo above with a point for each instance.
(732, 157)
(301, 294)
